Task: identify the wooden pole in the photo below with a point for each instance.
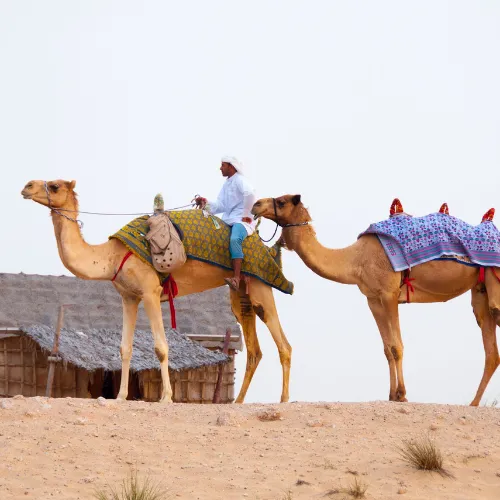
(225, 349)
(54, 358)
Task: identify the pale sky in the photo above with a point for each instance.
(348, 103)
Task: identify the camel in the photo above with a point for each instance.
(138, 281)
(366, 265)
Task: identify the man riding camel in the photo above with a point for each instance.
(235, 201)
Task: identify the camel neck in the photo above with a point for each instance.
(333, 264)
(86, 261)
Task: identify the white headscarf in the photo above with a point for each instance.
(234, 162)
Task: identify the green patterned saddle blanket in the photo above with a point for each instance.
(204, 242)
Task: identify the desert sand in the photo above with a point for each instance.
(66, 448)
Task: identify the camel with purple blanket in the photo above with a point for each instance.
(405, 259)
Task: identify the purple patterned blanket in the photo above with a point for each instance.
(409, 241)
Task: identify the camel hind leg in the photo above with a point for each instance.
(152, 307)
(244, 313)
(263, 304)
(484, 308)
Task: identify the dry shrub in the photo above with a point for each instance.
(269, 416)
(423, 454)
(357, 489)
(132, 489)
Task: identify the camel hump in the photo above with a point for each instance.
(396, 207)
(488, 216)
(159, 205)
(444, 209)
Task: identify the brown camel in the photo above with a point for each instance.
(138, 281)
(366, 265)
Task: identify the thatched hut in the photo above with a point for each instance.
(90, 339)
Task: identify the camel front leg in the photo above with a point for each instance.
(264, 306)
(245, 315)
(130, 305)
(152, 307)
(487, 322)
(385, 312)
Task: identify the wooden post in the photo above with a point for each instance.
(225, 350)
(54, 358)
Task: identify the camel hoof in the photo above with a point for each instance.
(121, 397)
(474, 403)
(238, 401)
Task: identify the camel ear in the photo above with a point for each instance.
(296, 199)
(71, 185)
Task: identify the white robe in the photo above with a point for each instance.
(235, 201)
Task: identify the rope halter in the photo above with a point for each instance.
(55, 210)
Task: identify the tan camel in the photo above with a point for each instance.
(366, 265)
(138, 281)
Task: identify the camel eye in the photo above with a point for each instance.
(281, 204)
(54, 187)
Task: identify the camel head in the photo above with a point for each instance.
(287, 209)
(56, 194)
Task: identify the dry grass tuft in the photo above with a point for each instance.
(287, 495)
(133, 489)
(269, 416)
(357, 489)
(328, 465)
(423, 454)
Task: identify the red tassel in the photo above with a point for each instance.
(409, 287)
(480, 278)
(488, 216)
(171, 290)
(444, 209)
(396, 207)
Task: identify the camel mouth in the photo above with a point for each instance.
(26, 196)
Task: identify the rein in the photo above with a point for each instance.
(80, 223)
(281, 225)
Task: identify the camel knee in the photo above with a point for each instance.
(492, 362)
(397, 352)
(495, 313)
(253, 359)
(388, 353)
(161, 353)
(126, 352)
(285, 356)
